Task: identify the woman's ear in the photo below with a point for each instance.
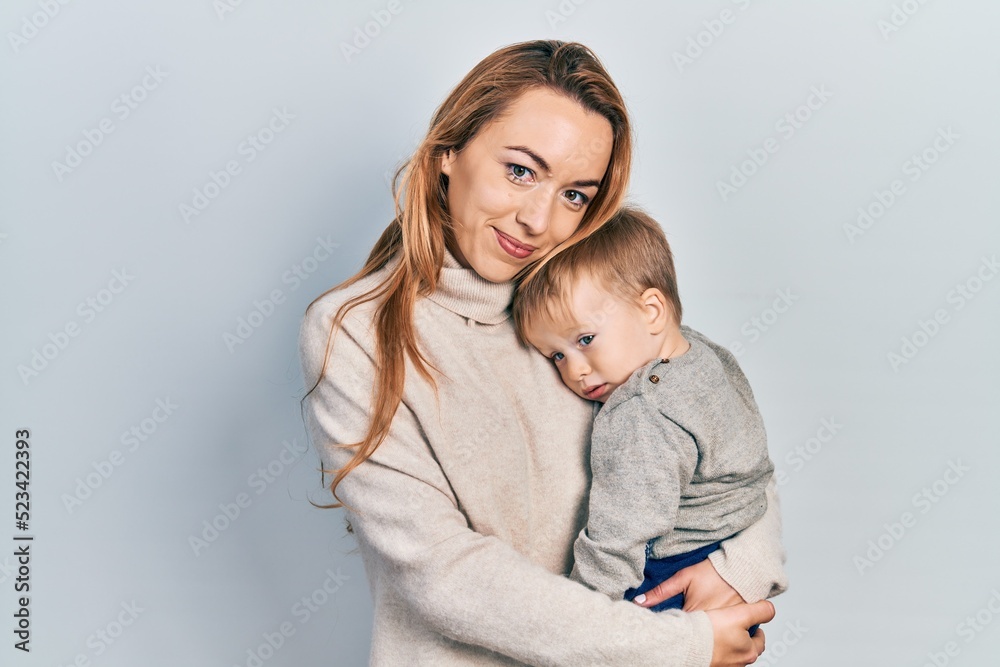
(447, 160)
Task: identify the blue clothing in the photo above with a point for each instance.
(658, 570)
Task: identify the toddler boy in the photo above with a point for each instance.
(678, 451)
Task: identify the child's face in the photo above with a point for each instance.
(606, 341)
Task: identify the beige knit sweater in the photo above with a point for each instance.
(466, 515)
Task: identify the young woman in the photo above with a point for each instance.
(461, 465)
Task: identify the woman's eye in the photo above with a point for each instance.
(577, 198)
(518, 172)
(585, 340)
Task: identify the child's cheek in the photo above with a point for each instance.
(568, 384)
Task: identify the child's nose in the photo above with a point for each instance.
(578, 369)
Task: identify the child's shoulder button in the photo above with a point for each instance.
(656, 378)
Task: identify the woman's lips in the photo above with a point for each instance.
(596, 392)
(513, 247)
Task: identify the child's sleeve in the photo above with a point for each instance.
(641, 463)
(753, 560)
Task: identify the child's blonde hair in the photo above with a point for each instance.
(626, 256)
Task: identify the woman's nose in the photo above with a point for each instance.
(536, 211)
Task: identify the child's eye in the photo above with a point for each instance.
(557, 356)
(519, 173)
(586, 340)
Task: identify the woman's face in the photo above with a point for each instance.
(522, 185)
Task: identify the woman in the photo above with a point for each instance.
(461, 461)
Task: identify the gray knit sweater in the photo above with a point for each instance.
(678, 456)
(465, 516)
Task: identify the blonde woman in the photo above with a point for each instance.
(460, 462)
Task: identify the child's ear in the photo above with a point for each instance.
(658, 312)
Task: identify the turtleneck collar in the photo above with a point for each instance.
(465, 292)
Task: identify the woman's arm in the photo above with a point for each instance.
(473, 588)
(750, 566)
(753, 560)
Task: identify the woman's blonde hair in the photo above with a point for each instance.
(417, 233)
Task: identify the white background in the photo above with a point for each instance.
(854, 297)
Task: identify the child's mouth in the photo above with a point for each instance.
(595, 392)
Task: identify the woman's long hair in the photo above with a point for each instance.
(417, 233)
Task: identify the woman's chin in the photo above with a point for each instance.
(501, 276)
(496, 270)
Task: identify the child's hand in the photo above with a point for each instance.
(701, 585)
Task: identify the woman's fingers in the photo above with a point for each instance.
(758, 612)
(733, 646)
(701, 585)
(758, 641)
(665, 590)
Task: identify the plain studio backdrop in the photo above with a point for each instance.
(180, 180)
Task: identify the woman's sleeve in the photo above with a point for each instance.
(472, 588)
(753, 560)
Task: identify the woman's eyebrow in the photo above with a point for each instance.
(545, 165)
(533, 155)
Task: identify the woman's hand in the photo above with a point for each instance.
(701, 585)
(732, 644)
